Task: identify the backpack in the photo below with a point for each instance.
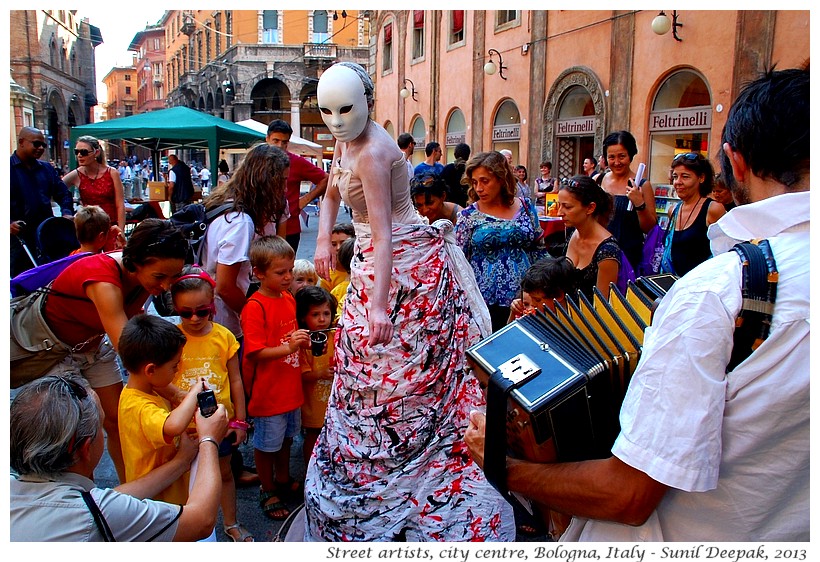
(193, 220)
(40, 276)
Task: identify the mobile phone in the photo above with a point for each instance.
(207, 402)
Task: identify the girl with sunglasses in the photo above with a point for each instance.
(686, 244)
(211, 353)
(98, 183)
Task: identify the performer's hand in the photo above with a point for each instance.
(381, 329)
(324, 259)
(474, 436)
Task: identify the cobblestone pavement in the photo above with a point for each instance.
(248, 511)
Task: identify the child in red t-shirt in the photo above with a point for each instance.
(271, 373)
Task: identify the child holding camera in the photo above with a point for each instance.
(315, 311)
(150, 349)
(271, 373)
(211, 354)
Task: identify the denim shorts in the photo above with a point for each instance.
(270, 432)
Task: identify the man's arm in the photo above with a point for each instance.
(199, 515)
(62, 195)
(605, 489)
(164, 475)
(317, 191)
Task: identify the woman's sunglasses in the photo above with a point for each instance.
(200, 312)
(688, 156)
(83, 152)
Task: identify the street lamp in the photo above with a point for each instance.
(662, 24)
(405, 93)
(490, 68)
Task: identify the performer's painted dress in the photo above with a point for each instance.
(391, 462)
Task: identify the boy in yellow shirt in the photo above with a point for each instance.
(150, 349)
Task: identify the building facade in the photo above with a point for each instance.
(121, 85)
(149, 48)
(52, 62)
(550, 85)
(260, 64)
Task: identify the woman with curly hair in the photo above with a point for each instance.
(257, 191)
(499, 232)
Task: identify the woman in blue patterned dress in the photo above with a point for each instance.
(499, 232)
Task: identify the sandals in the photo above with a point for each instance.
(291, 490)
(244, 534)
(270, 509)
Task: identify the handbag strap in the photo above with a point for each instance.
(99, 519)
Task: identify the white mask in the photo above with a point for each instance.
(342, 102)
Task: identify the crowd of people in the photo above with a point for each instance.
(364, 349)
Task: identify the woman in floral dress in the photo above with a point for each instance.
(499, 232)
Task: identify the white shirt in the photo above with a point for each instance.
(53, 510)
(205, 174)
(734, 448)
(227, 241)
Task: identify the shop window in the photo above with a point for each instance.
(456, 133)
(507, 129)
(419, 132)
(680, 121)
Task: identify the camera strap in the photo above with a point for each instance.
(99, 519)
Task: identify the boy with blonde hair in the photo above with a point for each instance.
(304, 274)
(92, 225)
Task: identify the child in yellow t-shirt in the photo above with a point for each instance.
(150, 349)
(341, 231)
(343, 258)
(211, 354)
(315, 310)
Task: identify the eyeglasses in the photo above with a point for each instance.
(38, 144)
(200, 312)
(688, 156)
(83, 152)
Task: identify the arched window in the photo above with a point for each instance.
(680, 121)
(419, 132)
(456, 133)
(507, 128)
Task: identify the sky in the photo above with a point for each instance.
(118, 27)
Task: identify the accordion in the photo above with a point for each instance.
(556, 379)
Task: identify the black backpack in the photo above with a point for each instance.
(193, 220)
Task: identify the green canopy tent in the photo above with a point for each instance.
(172, 128)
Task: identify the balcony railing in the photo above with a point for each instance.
(321, 51)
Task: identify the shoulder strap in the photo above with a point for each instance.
(211, 215)
(759, 290)
(249, 389)
(99, 519)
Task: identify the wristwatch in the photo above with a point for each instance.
(641, 207)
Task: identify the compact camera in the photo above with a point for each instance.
(207, 402)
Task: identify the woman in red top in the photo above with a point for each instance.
(95, 296)
(99, 184)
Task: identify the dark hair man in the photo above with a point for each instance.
(706, 455)
(279, 133)
(431, 164)
(453, 172)
(180, 184)
(407, 144)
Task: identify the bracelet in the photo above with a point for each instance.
(641, 207)
(211, 439)
(239, 424)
